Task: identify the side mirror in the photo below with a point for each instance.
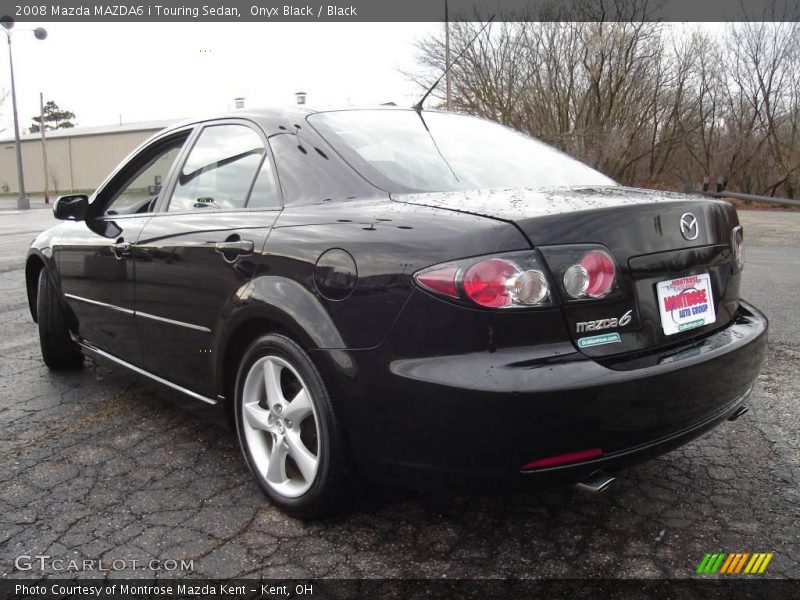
(72, 207)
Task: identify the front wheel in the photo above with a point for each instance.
(288, 430)
(58, 349)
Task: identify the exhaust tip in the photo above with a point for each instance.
(596, 483)
(739, 412)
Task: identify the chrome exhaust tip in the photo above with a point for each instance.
(596, 482)
(739, 412)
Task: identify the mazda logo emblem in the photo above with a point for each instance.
(689, 227)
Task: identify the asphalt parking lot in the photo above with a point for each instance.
(97, 464)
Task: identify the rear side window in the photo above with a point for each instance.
(219, 170)
(306, 173)
(265, 192)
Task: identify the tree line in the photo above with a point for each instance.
(650, 104)
(54, 116)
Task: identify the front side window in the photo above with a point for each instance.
(219, 170)
(410, 151)
(149, 172)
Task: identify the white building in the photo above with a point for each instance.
(78, 159)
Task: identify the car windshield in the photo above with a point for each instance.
(407, 151)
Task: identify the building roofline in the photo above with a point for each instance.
(95, 130)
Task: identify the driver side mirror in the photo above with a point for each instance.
(72, 207)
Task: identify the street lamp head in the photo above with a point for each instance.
(40, 33)
(7, 22)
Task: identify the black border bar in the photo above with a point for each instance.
(461, 589)
(397, 10)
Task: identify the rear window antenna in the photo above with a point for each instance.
(418, 105)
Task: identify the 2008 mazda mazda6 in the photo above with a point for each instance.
(414, 296)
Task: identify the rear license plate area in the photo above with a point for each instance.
(685, 303)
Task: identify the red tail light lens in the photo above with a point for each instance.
(584, 271)
(601, 271)
(592, 277)
(505, 281)
(485, 283)
(440, 280)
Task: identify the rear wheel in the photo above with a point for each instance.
(288, 431)
(58, 349)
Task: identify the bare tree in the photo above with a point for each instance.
(647, 103)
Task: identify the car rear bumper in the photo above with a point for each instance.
(469, 417)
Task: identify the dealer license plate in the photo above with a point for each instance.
(685, 303)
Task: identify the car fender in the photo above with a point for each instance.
(286, 302)
(40, 255)
(277, 302)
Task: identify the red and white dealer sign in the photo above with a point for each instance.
(685, 303)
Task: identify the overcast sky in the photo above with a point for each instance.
(156, 71)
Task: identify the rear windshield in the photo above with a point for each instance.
(407, 151)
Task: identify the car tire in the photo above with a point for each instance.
(58, 349)
(288, 429)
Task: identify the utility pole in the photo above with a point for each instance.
(40, 33)
(448, 101)
(22, 200)
(44, 146)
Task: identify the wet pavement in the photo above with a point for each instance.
(99, 464)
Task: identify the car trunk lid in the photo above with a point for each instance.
(642, 230)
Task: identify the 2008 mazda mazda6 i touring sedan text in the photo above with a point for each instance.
(407, 295)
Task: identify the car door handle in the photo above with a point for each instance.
(235, 247)
(121, 248)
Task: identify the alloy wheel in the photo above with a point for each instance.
(281, 426)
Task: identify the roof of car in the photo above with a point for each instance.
(289, 116)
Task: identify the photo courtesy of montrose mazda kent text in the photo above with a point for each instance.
(411, 296)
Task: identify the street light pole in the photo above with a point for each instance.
(40, 33)
(22, 202)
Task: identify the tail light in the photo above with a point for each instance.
(584, 272)
(737, 241)
(513, 280)
(592, 277)
(441, 280)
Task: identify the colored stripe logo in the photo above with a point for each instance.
(735, 564)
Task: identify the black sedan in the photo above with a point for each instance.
(412, 296)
